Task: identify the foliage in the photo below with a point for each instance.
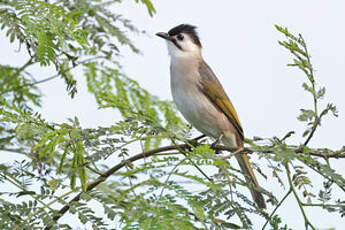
(93, 174)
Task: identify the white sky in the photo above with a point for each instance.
(240, 44)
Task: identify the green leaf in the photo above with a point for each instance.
(321, 93)
(231, 225)
(306, 115)
(307, 88)
(197, 209)
(149, 6)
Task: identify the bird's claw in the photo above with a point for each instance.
(214, 145)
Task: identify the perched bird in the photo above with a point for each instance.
(201, 99)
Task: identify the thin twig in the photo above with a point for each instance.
(28, 63)
(306, 220)
(48, 205)
(16, 183)
(52, 77)
(324, 205)
(191, 144)
(312, 81)
(171, 172)
(276, 208)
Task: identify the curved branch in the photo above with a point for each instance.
(108, 173)
(111, 171)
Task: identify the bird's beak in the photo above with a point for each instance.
(163, 35)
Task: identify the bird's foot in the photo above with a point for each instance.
(233, 153)
(214, 145)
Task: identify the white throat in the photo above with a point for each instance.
(189, 50)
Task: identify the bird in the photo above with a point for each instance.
(202, 100)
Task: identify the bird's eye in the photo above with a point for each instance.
(180, 37)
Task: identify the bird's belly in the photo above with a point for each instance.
(200, 112)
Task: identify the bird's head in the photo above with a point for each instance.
(182, 40)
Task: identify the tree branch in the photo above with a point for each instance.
(108, 173)
(111, 171)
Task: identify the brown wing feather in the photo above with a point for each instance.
(212, 88)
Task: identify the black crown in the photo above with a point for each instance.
(187, 29)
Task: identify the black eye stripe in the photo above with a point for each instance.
(176, 44)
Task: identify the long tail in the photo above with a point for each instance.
(243, 161)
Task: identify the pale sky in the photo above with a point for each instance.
(240, 45)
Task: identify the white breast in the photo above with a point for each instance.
(192, 103)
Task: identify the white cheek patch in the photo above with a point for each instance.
(188, 49)
(174, 51)
(189, 46)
